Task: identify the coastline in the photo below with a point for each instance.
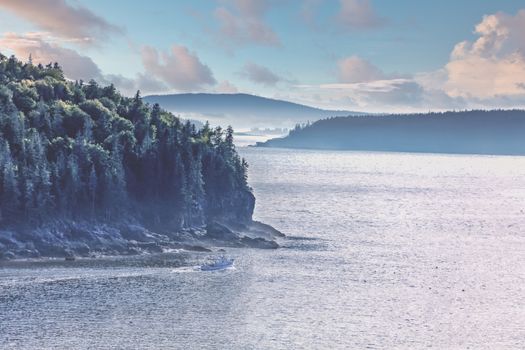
(84, 239)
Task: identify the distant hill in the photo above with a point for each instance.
(241, 110)
(473, 132)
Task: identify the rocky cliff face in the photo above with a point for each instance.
(91, 239)
(228, 223)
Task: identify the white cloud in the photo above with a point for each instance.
(75, 65)
(354, 69)
(494, 64)
(260, 74)
(379, 93)
(368, 87)
(179, 69)
(242, 23)
(73, 23)
(488, 72)
(129, 86)
(226, 87)
(479, 77)
(383, 85)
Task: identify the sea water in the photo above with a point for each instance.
(384, 250)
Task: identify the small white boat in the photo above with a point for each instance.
(219, 264)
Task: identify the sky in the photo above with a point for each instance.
(361, 55)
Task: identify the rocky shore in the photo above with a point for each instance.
(87, 239)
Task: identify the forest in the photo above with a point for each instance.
(467, 132)
(71, 150)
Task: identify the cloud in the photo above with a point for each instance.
(225, 87)
(129, 86)
(148, 84)
(358, 15)
(354, 69)
(179, 69)
(487, 72)
(494, 64)
(364, 87)
(400, 92)
(74, 23)
(242, 23)
(370, 86)
(474, 76)
(75, 65)
(259, 74)
(388, 92)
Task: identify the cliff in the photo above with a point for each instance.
(85, 170)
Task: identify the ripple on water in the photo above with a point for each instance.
(385, 250)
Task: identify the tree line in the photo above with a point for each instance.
(75, 150)
(468, 132)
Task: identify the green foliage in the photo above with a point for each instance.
(73, 150)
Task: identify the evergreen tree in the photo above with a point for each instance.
(10, 194)
(71, 150)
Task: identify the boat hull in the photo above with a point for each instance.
(216, 267)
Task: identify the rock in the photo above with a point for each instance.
(78, 232)
(7, 255)
(131, 251)
(260, 243)
(68, 239)
(51, 250)
(219, 231)
(152, 247)
(28, 253)
(5, 238)
(69, 256)
(195, 248)
(81, 249)
(257, 225)
(136, 233)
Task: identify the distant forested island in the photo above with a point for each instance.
(499, 132)
(84, 169)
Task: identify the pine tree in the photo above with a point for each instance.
(10, 195)
(92, 183)
(71, 150)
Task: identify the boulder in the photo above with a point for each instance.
(260, 243)
(219, 231)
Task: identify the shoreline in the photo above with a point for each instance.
(91, 240)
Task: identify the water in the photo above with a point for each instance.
(385, 251)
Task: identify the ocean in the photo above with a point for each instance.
(383, 251)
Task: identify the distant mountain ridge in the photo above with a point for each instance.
(243, 110)
(468, 132)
